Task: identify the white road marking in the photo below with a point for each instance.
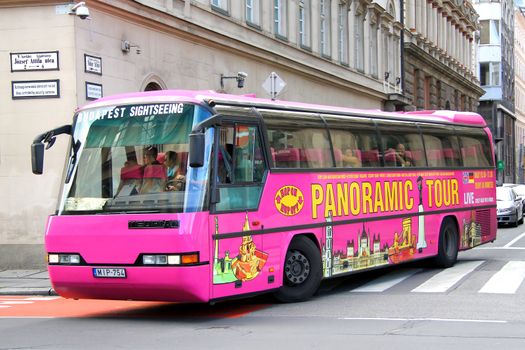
(15, 302)
(387, 281)
(507, 280)
(419, 319)
(503, 248)
(514, 240)
(447, 278)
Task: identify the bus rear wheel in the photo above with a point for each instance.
(448, 244)
(302, 271)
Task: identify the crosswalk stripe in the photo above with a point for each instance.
(387, 281)
(514, 240)
(507, 280)
(447, 278)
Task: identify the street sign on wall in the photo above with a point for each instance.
(92, 64)
(33, 61)
(35, 89)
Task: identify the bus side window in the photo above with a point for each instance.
(441, 145)
(402, 144)
(475, 147)
(354, 142)
(299, 140)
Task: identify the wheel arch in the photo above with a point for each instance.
(293, 235)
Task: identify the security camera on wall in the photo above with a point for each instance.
(241, 77)
(80, 10)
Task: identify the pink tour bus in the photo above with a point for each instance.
(196, 196)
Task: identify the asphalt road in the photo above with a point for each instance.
(477, 304)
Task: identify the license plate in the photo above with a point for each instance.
(109, 273)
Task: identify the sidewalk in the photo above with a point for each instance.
(25, 282)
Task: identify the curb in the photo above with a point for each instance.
(28, 291)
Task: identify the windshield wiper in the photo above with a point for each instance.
(75, 146)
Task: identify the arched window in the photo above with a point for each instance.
(391, 8)
(152, 87)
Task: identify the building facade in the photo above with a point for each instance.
(440, 55)
(519, 95)
(496, 71)
(336, 52)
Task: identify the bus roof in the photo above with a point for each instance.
(206, 96)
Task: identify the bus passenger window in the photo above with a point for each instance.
(402, 144)
(299, 140)
(475, 147)
(354, 142)
(441, 145)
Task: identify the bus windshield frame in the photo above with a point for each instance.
(118, 161)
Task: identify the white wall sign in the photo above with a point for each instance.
(31, 61)
(93, 91)
(92, 64)
(35, 89)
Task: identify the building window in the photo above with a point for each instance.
(253, 12)
(426, 92)
(220, 6)
(373, 50)
(304, 23)
(324, 13)
(342, 37)
(279, 17)
(489, 32)
(415, 91)
(359, 31)
(489, 73)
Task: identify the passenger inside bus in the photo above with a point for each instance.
(154, 172)
(130, 176)
(351, 158)
(176, 178)
(402, 158)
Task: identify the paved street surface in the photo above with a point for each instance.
(25, 282)
(477, 304)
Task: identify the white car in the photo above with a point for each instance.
(510, 206)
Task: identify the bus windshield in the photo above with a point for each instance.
(133, 158)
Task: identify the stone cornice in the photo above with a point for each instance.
(442, 68)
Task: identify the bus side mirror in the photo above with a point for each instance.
(37, 158)
(38, 146)
(196, 150)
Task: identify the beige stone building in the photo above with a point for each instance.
(519, 95)
(338, 52)
(440, 55)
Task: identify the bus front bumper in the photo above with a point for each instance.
(181, 284)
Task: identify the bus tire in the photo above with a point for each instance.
(302, 272)
(448, 244)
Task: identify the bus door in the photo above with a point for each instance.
(238, 176)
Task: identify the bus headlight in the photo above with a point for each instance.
(170, 259)
(154, 259)
(64, 259)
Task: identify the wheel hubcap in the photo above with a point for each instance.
(297, 268)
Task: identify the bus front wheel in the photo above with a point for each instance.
(448, 244)
(302, 271)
